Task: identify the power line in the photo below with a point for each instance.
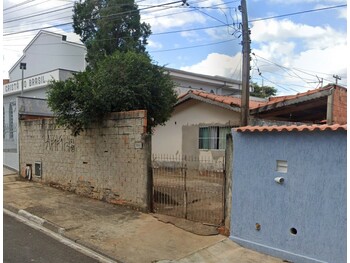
(26, 7)
(263, 77)
(165, 4)
(159, 33)
(300, 70)
(37, 14)
(16, 5)
(298, 13)
(203, 45)
(113, 15)
(39, 28)
(278, 84)
(176, 13)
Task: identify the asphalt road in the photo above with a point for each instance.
(24, 244)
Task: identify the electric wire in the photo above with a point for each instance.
(298, 13)
(300, 70)
(156, 33)
(263, 77)
(26, 7)
(164, 4)
(184, 30)
(189, 47)
(16, 5)
(225, 24)
(113, 15)
(37, 14)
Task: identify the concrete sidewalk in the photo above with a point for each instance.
(117, 232)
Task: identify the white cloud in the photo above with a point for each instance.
(218, 64)
(306, 1)
(164, 20)
(282, 30)
(343, 13)
(291, 55)
(154, 45)
(318, 50)
(276, 51)
(208, 2)
(193, 36)
(331, 60)
(222, 33)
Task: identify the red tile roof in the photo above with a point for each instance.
(228, 100)
(334, 127)
(273, 100)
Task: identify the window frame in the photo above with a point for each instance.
(209, 137)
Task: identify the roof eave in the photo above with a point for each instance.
(190, 96)
(323, 93)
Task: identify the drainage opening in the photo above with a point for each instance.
(293, 231)
(257, 226)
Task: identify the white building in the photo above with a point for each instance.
(49, 56)
(198, 125)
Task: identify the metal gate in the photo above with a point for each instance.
(189, 187)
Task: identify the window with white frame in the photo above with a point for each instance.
(213, 137)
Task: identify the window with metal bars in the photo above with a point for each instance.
(11, 121)
(213, 137)
(3, 122)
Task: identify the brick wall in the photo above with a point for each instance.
(340, 106)
(108, 162)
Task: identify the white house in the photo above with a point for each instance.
(198, 125)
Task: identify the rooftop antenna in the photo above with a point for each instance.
(336, 79)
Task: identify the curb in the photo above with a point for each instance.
(31, 217)
(35, 219)
(56, 229)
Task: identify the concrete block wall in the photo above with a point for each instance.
(108, 161)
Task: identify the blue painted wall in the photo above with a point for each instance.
(312, 198)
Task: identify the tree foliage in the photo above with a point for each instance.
(109, 25)
(121, 82)
(263, 91)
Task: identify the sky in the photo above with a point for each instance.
(297, 45)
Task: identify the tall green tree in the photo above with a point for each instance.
(122, 81)
(109, 25)
(263, 91)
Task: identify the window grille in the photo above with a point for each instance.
(11, 121)
(213, 137)
(3, 123)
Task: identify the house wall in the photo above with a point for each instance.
(107, 162)
(340, 106)
(312, 198)
(48, 52)
(180, 134)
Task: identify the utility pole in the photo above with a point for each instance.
(336, 79)
(246, 64)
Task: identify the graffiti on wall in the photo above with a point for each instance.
(59, 143)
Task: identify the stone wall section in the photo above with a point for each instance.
(107, 161)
